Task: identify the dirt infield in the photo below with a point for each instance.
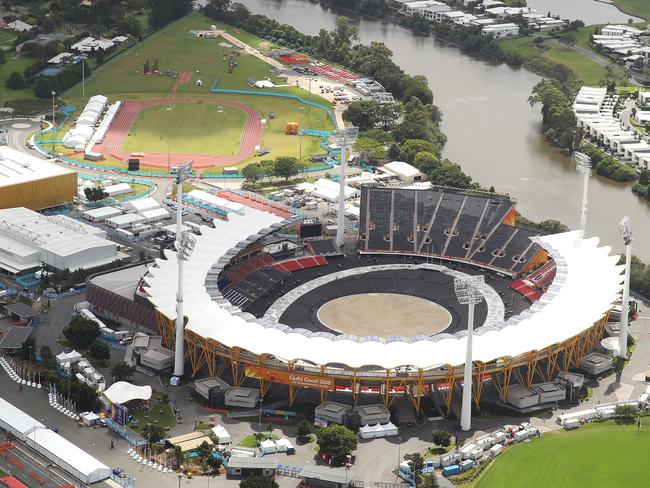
(117, 133)
(384, 314)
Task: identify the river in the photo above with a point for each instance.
(493, 133)
(589, 11)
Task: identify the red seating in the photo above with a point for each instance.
(239, 271)
(301, 263)
(533, 286)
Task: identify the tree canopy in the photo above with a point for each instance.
(258, 481)
(337, 441)
(81, 332)
(122, 372)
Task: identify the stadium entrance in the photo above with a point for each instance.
(384, 314)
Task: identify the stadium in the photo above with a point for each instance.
(253, 317)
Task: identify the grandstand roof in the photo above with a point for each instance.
(17, 167)
(587, 283)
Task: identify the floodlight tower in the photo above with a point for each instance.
(344, 138)
(626, 231)
(184, 248)
(468, 293)
(583, 166)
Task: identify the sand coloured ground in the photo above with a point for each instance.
(384, 314)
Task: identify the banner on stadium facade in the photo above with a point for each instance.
(118, 414)
(295, 378)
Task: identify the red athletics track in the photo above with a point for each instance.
(116, 134)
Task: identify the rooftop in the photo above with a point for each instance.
(21, 310)
(17, 168)
(123, 282)
(15, 336)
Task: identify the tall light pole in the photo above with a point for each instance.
(583, 166)
(626, 231)
(343, 138)
(83, 78)
(184, 247)
(53, 119)
(468, 293)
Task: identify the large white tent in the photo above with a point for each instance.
(123, 391)
(68, 456)
(17, 422)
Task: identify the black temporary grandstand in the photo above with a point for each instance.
(457, 225)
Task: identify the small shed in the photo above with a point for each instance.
(222, 434)
(21, 312)
(326, 477)
(249, 466)
(14, 337)
(268, 447)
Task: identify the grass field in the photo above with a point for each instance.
(187, 128)
(640, 8)
(14, 63)
(175, 49)
(250, 441)
(596, 456)
(587, 70)
(165, 419)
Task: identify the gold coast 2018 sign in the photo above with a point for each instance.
(294, 378)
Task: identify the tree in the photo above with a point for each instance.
(426, 161)
(15, 81)
(27, 348)
(153, 433)
(369, 149)
(450, 174)
(216, 9)
(122, 372)
(46, 355)
(626, 414)
(178, 456)
(428, 481)
(162, 12)
(362, 114)
(44, 87)
(337, 441)
(95, 193)
(568, 39)
(81, 332)
(268, 168)
(258, 481)
(411, 147)
(130, 25)
(286, 167)
(253, 172)
(416, 463)
(441, 437)
(99, 350)
(304, 430)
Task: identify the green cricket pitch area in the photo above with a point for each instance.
(195, 128)
(186, 128)
(598, 455)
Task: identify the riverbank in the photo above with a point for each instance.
(639, 8)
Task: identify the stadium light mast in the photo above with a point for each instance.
(184, 248)
(343, 138)
(468, 293)
(626, 231)
(583, 166)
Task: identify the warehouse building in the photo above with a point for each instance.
(27, 181)
(28, 238)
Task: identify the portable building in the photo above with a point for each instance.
(520, 436)
(495, 450)
(222, 434)
(450, 458)
(268, 447)
(452, 470)
(466, 464)
(16, 422)
(284, 445)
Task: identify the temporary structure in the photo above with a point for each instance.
(268, 447)
(283, 445)
(222, 434)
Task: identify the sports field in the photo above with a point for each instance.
(640, 8)
(187, 59)
(186, 128)
(599, 455)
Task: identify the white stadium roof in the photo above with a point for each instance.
(587, 283)
(17, 167)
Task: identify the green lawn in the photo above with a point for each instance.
(163, 419)
(640, 8)
(250, 441)
(587, 70)
(195, 128)
(14, 63)
(175, 49)
(594, 456)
